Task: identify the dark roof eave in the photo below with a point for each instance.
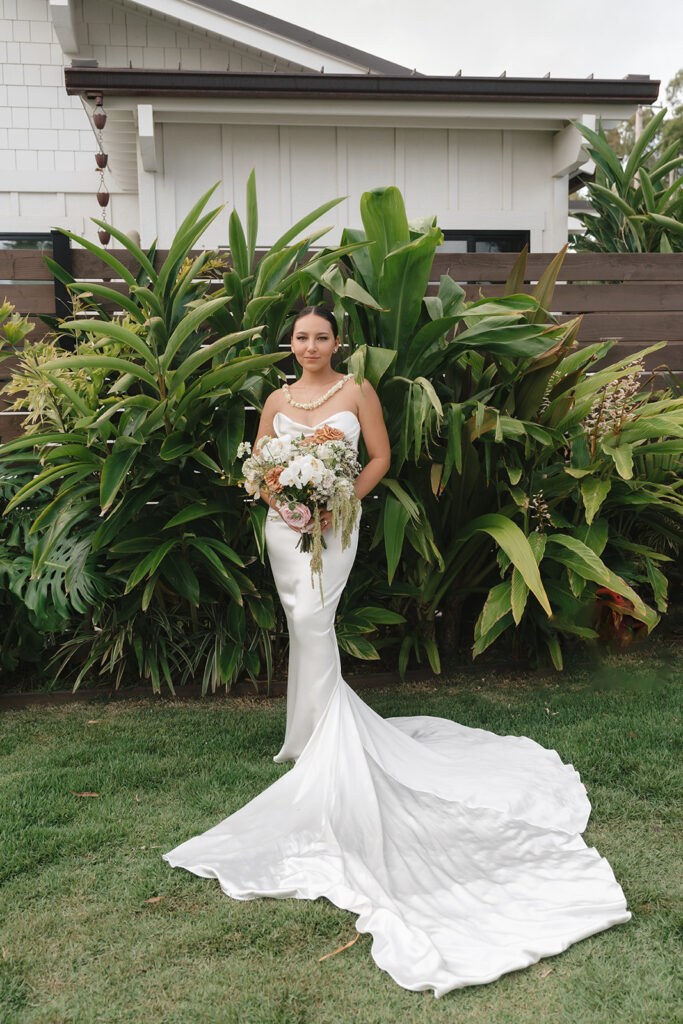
(309, 85)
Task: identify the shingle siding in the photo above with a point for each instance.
(44, 131)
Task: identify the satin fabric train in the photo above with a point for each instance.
(459, 850)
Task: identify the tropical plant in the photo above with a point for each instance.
(27, 615)
(522, 477)
(636, 208)
(485, 403)
(132, 456)
(135, 410)
(433, 360)
(600, 501)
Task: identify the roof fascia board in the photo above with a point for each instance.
(255, 37)
(62, 15)
(372, 113)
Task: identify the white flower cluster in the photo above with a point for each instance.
(306, 472)
(616, 403)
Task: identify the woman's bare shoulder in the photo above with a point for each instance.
(362, 392)
(275, 401)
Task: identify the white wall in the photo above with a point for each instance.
(471, 179)
(47, 173)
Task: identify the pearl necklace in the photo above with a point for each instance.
(319, 401)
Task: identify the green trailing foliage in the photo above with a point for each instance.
(522, 477)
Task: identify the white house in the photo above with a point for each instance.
(197, 92)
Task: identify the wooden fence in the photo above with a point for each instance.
(636, 299)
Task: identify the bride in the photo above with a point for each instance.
(459, 850)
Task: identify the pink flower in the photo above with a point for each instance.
(297, 516)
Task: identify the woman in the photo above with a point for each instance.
(460, 850)
(314, 667)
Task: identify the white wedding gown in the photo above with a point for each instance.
(459, 850)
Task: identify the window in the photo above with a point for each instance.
(25, 240)
(484, 241)
(56, 245)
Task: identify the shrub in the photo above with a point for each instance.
(522, 479)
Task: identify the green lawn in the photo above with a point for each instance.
(81, 942)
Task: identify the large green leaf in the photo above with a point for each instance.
(402, 284)
(230, 433)
(128, 243)
(581, 559)
(104, 254)
(212, 558)
(512, 540)
(238, 245)
(252, 217)
(395, 518)
(104, 362)
(86, 288)
(150, 564)
(594, 490)
(302, 224)
(375, 362)
(115, 468)
(497, 604)
(384, 218)
(206, 353)
(189, 323)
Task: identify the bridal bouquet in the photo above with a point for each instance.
(307, 473)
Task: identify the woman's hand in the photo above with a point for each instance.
(325, 519)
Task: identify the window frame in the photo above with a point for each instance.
(522, 236)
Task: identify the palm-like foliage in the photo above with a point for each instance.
(486, 403)
(139, 460)
(133, 428)
(636, 207)
(520, 479)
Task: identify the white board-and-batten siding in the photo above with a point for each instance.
(470, 179)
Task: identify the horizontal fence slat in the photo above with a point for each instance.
(24, 265)
(645, 327)
(576, 266)
(30, 298)
(10, 426)
(87, 265)
(574, 298)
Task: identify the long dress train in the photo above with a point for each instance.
(459, 850)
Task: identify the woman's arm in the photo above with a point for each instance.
(266, 429)
(376, 439)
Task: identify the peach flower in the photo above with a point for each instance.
(327, 433)
(272, 479)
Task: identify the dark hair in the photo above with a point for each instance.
(326, 314)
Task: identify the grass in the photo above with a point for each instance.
(98, 929)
